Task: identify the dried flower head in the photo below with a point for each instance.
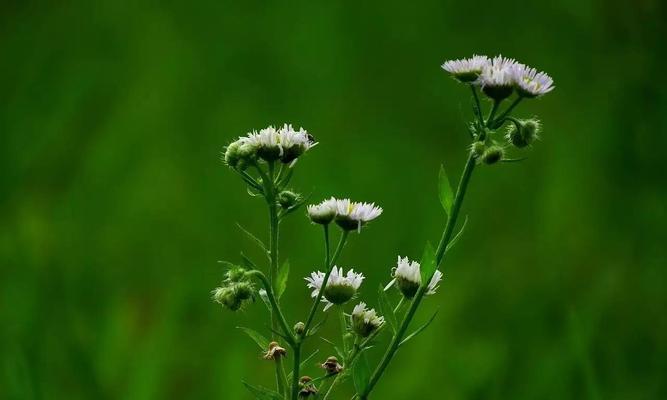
(466, 70)
(365, 321)
(274, 351)
(408, 278)
(307, 387)
(340, 287)
(332, 366)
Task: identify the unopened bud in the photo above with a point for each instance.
(478, 148)
(492, 155)
(288, 199)
(307, 388)
(524, 134)
(299, 328)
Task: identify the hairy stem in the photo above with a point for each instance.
(440, 252)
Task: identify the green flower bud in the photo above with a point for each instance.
(247, 154)
(478, 148)
(232, 156)
(525, 134)
(492, 155)
(235, 295)
(287, 199)
(299, 328)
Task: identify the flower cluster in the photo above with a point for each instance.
(269, 144)
(349, 215)
(235, 291)
(498, 77)
(340, 287)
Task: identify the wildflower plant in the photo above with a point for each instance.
(265, 161)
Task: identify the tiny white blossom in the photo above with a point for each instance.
(285, 143)
(324, 212)
(353, 215)
(340, 287)
(408, 277)
(365, 321)
(529, 82)
(497, 78)
(466, 69)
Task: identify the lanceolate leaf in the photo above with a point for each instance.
(428, 266)
(361, 373)
(261, 341)
(458, 235)
(445, 190)
(281, 279)
(420, 329)
(262, 393)
(386, 309)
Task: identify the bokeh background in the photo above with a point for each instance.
(115, 208)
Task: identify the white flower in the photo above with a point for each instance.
(340, 287)
(529, 82)
(285, 143)
(352, 215)
(324, 212)
(497, 78)
(466, 69)
(407, 275)
(365, 321)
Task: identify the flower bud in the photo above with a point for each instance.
(274, 352)
(332, 366)
(478, 148)
(247, 154)
(525, 134)
(492, 155)
(234, 295)
(287, 199)
(232, 156)
(299, 328)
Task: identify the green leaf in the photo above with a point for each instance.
(361, 374)
(427, 264)
(387, 309)
(458, 235)
(261, 341)
(262, 393)
(281, 279)
(445, 190)
(420, 329)
(252, 237)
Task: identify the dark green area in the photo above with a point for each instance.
(114, 207)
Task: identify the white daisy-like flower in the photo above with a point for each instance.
(353, 215)
(466, 70)
(497, 78)
(284, 144)
(324, 212)
(407, 276)
(365, 321)
(529, 82)
(340, 287)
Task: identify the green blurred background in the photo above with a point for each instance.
(115, 207)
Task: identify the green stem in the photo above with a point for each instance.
(506, 112)
(281, 378)
(493, 111)
(478, 105)
(439, 255)
(329, 267)
(295, 371)
(343, 327)
(274, 305)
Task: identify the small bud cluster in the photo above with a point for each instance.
(235, 291)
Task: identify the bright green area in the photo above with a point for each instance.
(114, 207)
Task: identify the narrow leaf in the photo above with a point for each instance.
(420, 329)
(387, 309)
(261, 341)
(248, 262)
(281, 279)
(252, 237)
(262, 393)
(428, 266)
(458, 235)
(361, 373)
(390, 284)
(445, 190)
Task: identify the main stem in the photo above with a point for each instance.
(439, 255)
